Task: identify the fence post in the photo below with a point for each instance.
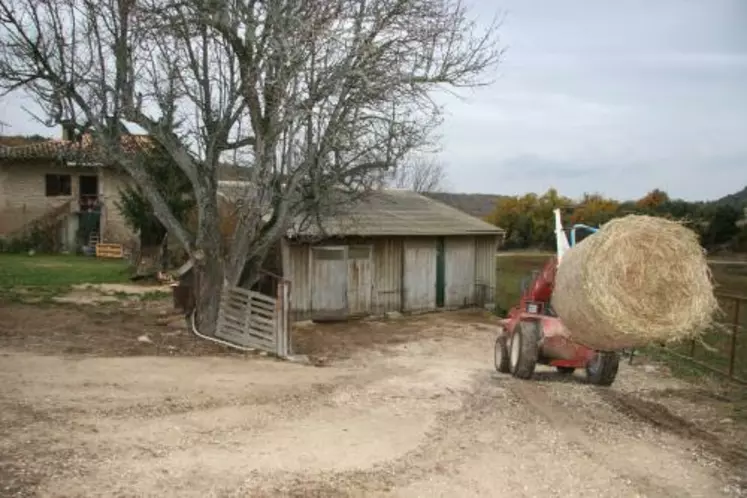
(734, 330)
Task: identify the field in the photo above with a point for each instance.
(730, 277)
(119, 398)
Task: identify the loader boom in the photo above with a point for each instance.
(532, 333)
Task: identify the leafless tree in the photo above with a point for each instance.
(420, 174)
(322, 96)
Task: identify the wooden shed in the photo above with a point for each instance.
(395, 251)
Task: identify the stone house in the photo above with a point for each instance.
(64, 185)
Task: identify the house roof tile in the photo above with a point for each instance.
(85, 149)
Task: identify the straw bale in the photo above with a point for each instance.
(638, 280)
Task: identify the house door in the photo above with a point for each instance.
(88, 191)
(420, 274)
(359, 280)
(329, 281)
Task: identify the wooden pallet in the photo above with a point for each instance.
(109, 251)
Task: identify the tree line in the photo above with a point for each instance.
(529, 223)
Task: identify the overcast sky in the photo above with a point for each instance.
(617, 97)
(610, 96)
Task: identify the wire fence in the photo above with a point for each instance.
(723, 349)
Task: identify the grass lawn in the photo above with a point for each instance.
(45, 276)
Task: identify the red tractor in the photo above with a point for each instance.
(532, 333)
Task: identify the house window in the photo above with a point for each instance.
(58, 185)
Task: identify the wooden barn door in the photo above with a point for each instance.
(460, 271)
(329, 281)
(359, 279)
(420, 274)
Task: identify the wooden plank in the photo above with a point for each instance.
(115, 251)
(264, 313)
(232, 335)
(264, 331)
(236, 299)
(263, 306)
(247, 318)
(234, 321)
(261, 297)
(244, 338)
(420, 274)
(460, 271)
(236, 308)
(328, 276)
(263, 338)
(241, 292)
(262, 320)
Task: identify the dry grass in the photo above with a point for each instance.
(639, 280)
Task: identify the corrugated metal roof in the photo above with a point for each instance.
(399, 212)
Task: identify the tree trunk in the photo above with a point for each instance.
(209, 275)
(209, 263)
(164, 253)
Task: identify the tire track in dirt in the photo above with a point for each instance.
(571, 426)
(662, 418)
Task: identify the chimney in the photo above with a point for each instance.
(68, 130)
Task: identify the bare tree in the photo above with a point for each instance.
(322, 96)
(419, 174)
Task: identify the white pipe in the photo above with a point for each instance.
(215, 339)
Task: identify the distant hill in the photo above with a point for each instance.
(738, 199)
(478, 205)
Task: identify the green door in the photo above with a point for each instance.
(440, 273)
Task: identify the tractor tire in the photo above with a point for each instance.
(501, 355)
(524, 350)
(602, 369)
(565, 370)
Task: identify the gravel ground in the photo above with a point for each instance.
(423, 415)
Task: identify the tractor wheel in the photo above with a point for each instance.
(565, 370)
(602, 369)
(524, 350)
(501, 355)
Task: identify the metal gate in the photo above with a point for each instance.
(252, 319)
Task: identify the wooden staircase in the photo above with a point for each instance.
(93, 239)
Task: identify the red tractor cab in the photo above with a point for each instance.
(533, 334)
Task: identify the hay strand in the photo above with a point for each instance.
(638, 280)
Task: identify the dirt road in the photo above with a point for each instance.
(422, 418)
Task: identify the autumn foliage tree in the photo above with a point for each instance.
(595, 210)
(529, 222)
(654, 201)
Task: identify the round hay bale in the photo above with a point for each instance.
(637, 281)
